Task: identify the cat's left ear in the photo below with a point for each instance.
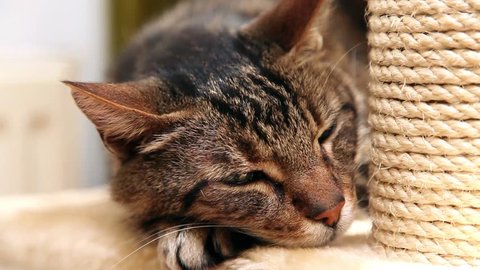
(289, 24)
(126, 114)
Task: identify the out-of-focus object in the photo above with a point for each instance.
(38, 126)
(43, 42)
(127, 17)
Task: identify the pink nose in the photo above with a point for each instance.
(331, 216)
(316, 210)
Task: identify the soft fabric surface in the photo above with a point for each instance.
(86, 230)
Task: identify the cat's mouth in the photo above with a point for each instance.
(307, 233)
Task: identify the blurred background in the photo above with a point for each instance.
(46, 144)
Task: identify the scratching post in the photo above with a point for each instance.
(425, 118)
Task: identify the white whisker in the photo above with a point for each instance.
(149, 234)
(338, 61)
(164, 235)
(154, 234)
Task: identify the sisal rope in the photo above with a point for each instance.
(425, 116)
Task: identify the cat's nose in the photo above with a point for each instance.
(318, 212)
(330, 216)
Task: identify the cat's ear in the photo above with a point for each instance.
(124, 114)
(288, 23)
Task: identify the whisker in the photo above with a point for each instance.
(164, 235)
(337, 62)
(154, 234)
(131, 239)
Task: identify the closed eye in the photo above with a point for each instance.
(327, 133)
(246, 178)
(256, 176)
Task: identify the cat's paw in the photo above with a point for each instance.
(194, 249)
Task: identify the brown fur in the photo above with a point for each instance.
(256, 128)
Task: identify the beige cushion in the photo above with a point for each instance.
(86, 230)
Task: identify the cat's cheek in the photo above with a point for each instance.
(235, 205)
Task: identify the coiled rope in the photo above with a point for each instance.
(425, 116)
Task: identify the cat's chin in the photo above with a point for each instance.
(315, 235)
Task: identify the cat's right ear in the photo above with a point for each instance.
(288, 24)
(125, 114)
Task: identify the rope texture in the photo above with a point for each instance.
(425, 116)
(429, 92)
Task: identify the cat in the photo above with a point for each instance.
(237, 123)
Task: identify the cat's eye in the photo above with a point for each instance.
(327, 133)
(245, 178)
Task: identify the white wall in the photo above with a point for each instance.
(59, 29)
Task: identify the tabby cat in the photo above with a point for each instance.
(237, 123)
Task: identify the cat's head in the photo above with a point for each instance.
(253, 129)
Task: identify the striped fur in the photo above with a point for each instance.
(267, 128)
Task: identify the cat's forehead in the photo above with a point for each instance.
(207, 64)
(197, 55)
